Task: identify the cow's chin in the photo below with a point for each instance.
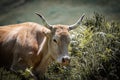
(67, 63)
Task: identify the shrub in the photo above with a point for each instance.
(7, 75)
(95, 52)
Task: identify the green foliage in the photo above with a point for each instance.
(27, 73)
(95, 52)
(6, 75)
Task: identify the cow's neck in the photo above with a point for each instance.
(46, 53)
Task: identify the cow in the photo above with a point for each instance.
(30, 44)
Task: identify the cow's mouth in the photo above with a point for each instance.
(65, 61)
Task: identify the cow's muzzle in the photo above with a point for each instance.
(66, 60)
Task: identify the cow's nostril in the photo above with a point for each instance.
(63, 60)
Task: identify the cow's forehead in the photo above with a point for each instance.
(61, 30)
(59, 26)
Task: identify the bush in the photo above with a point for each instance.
(6, 75)
(95, 52)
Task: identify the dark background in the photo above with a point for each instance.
(56, 11)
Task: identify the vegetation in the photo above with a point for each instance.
(95, 52)
(6, 75)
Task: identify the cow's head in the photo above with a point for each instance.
(60, 39)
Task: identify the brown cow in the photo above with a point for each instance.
(33, 45)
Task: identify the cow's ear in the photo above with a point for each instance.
(47, 33)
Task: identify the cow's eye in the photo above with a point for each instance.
(55, 40)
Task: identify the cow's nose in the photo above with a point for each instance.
(66, 60)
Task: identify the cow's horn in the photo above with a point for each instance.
(77, 23)
(45, 23)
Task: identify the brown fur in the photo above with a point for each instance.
(29, 44)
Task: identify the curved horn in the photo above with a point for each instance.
(77, 23)
(44, 21)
